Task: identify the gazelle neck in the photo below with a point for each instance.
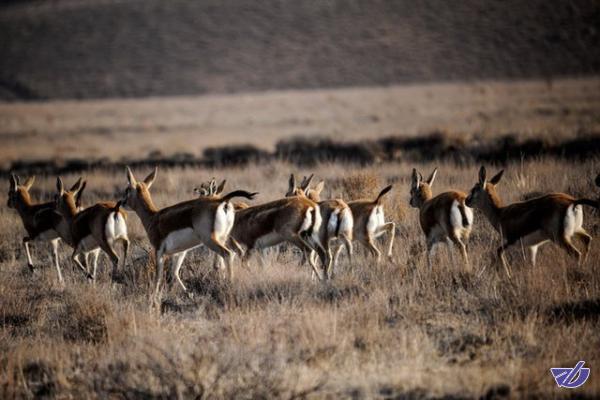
(146, 210)
(492, 210)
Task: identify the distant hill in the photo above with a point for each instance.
(116, 48)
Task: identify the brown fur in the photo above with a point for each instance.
(543, 215)
(39, 220)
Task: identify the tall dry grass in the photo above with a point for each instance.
(396, 330)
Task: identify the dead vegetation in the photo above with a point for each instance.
(398, 330)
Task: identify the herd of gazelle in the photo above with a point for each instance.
(300, 218)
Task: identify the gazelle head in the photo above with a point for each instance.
(420, 190)
(484, 193)
(137, 193)
(68, 202)
(210, 188)
(303, 189)
(17, 193)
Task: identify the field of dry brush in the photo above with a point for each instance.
(395, 330)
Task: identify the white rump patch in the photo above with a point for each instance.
(307, 220)
(224, 219)
(376, 220)
(573, 220)
(456, 216)
(332, 224)
(115, 228)
(347, 224)
(317, 225)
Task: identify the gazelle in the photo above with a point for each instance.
(555, 217)
(210, 188)
(369, 224)
(338, 222)
(443, 218)
(295, 220)
(90, 230)
(39, 220)
(174, 230)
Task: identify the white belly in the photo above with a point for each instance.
(180, 240)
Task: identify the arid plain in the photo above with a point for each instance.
(395, 330)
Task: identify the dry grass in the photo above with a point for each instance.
(398, 330)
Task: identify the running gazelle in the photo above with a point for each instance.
(337, 219)
(369, 224)
(555, 217)
(92, 229)
(174, 230)
(39, 220)
(295, 220)
(444, 218)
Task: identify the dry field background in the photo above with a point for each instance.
(118, 129)
(397, 330)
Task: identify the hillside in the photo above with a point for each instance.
(111, 48)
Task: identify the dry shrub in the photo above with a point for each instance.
(362, 185)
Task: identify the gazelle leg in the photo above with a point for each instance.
(177, 262)
(533, 254)
(26, 241)
(370, 244)
(390, 228)
(95, 255)
(56, 262)
(77, 261)
(349, 248)
(114, 259)
(216, 246)
(431, 243)
(587, 241)
(462, 248)
(502, 257)
(125, 251)
(338, 251)
(567, 245)
(311, 260)
(160, 266)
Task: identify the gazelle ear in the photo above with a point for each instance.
(319, 188)
(415, 179)
(79, 194)
(212, 187)
(292, 183)
(60, 187)
(306, 182)
(130, 178)
(151, 177)
(432, 177)
(497, 177)
(76, 187)
(29, 182)
(482, 175)
(13, 182)
(221, 187)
